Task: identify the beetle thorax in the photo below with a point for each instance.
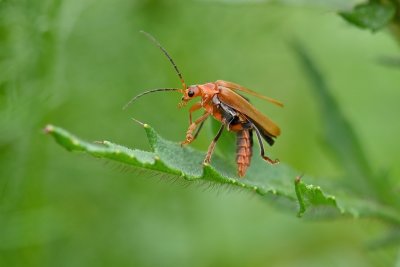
(205, 91)
(208, 89)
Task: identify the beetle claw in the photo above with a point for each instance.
(188, 140)
(184, 143)
(206, 161)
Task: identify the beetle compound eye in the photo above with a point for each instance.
(190, 93)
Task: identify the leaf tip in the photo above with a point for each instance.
(145, 125)
(298, 178)
(48, 129)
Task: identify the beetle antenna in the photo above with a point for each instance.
(148, 92)
(154, 40)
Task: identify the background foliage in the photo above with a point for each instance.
(75, 63)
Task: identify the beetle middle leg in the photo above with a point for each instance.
(212, 145)
(198, 130)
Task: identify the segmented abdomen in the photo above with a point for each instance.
(244, 147)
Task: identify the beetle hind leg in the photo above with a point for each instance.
(262, 152)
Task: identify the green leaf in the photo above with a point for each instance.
(337, 131)
(318, 3)
(343, 142)
(275, 183)
(372, 15)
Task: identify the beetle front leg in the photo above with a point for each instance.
(189, 134)
(193, 109)
(192, 127)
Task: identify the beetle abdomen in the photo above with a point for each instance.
(244, 147)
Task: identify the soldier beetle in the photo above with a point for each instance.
(222, 101)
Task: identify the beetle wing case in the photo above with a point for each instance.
(234, 100)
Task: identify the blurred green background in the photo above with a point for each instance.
(76, 63)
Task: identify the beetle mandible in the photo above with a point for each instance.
(220, 100)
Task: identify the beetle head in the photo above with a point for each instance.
(190, 93)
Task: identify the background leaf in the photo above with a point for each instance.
(372, 15)
(342, 140)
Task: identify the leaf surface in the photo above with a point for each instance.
(277, 184)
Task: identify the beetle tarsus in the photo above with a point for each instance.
(189, 134)
(271, 161)
(210, 150)
(188, 140)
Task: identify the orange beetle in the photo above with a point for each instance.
(220, 100)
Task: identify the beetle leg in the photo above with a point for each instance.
(267, 159)
(192, 127)
(193, 109)
(198, 130)
(212, 145)
(228, 123)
